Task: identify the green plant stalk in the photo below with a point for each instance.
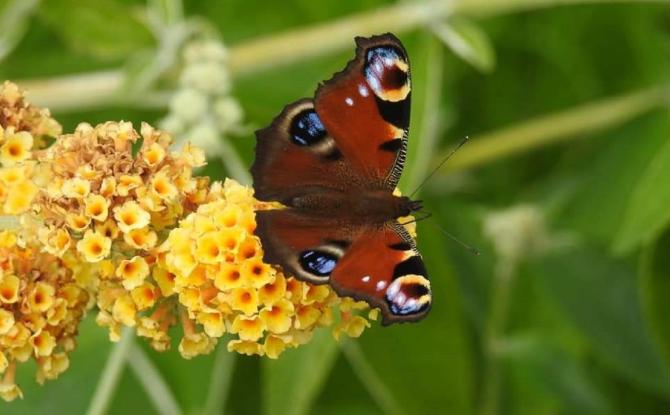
(151, 379)
(494, 336)
(429, 125)
(494, 7)
(220, 381)
(98, 89)
(14, 18)
(366, 373)
(236, 167)
(111, 374)
(568, 125)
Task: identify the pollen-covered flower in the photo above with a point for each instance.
(41, 306)
(96, 207)
(224, 286)
(132, 272)
(130, 216)
(94, 246)
(22, 129)
(54, 241)
(77, 188)
(15, 147)
(18, 114)
(116, 216)
(103, 204)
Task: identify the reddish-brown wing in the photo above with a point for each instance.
(376, 264)
(296, 156)
(353, 135)
(366, 109)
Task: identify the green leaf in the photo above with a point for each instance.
(608, 185)
(655, 287)
(648, 211)
(104, 28)
(544, 375)
(426, 366)
(428, 117)
(166, 12)
(468, 41)
(291, 383)
(14, 19)
(600, 296)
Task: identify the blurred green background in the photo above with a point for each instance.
(564, 187)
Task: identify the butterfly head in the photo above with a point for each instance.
(408, 206)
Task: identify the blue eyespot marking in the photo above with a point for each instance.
(319, 263)
(306, 128)
(381, 70)
(408, 295)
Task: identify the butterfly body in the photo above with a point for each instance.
(334, 162)
(357, 205)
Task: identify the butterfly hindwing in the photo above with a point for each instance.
(376, 264)
(383, 268)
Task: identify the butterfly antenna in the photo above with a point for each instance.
(425, 215)
(439, 166)
(418, 217)
(471, 249)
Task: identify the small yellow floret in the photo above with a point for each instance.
(132, 272)
(94, 246)
(131, 216)
(96, 207)
(16, 148)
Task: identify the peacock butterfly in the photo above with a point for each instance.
(334, 162)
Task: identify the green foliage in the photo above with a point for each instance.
(647, 212)
(104, 28)
(468, 41)
(291, 384)
(606, 307)
(586, 329)
(655, 288)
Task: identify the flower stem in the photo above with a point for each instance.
(234, 164)
(220, 381)
(366, 373)
(493, 336)
(425, 142)
(111, 374)
(555, 128)
(98, 89)
(151, 379)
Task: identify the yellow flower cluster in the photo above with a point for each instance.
(106, 207)
(115, 218)
(18, 114)
(225, 287)
(41, 306)
(22, 128)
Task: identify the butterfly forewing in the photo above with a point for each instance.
(366, 108)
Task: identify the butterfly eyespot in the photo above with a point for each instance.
(318, 263)
(386, 71)
(409, 294)
(307, 129)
